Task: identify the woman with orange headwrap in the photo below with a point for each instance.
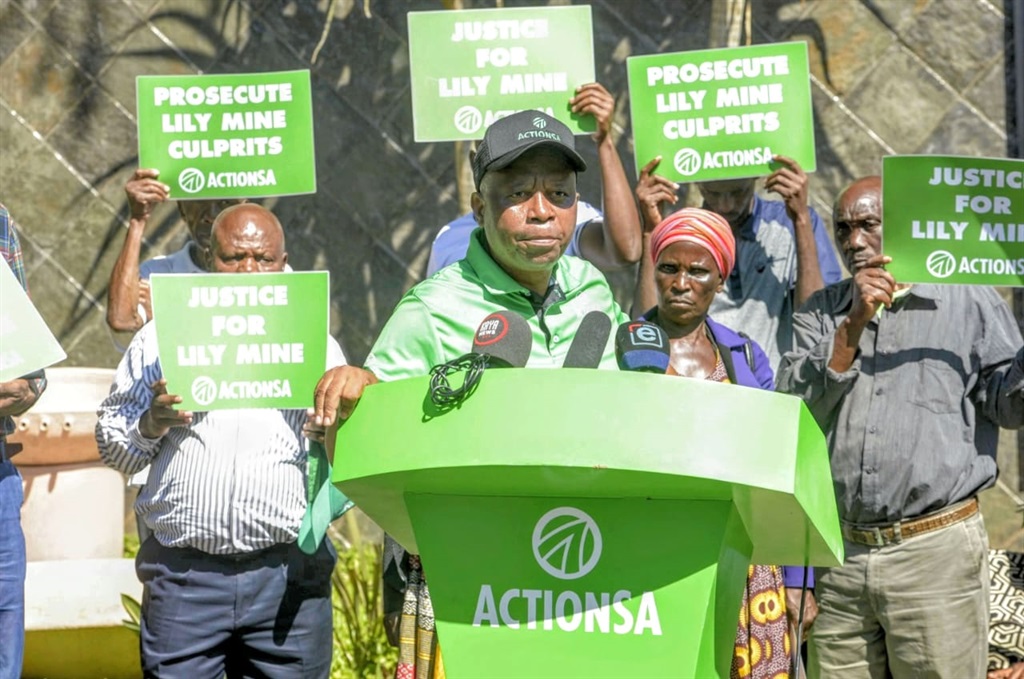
(691, 252)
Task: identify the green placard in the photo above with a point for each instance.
(469, 68)
(954, 219)
(722, 114)
(242, 341)
(26, 344)
(228, 136)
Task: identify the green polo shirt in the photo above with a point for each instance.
(436, 320)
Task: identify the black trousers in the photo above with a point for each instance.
(265, 614)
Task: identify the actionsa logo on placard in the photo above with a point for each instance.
(191, 180)
(687, 162)
(567, 543)
(204, 390)
(468, 119)
(941, 264)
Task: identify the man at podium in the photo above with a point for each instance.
(525, 174)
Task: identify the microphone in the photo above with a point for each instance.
(587, 348)
(641, 347)
(505, 338)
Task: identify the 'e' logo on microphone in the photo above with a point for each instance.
(645, 335)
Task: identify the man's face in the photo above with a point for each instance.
(528, 211)
(198, 216)
(247, 241)
(733, 199)
(858, 224)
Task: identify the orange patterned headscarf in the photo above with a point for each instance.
(705, 228)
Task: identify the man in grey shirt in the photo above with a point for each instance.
(910, 384)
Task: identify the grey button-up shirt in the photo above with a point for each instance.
(912, 426)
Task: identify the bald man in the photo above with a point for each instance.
(226, 588)
(910, 384)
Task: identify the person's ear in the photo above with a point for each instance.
(284, 260)
(477, 202)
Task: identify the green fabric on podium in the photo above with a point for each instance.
(324, 502)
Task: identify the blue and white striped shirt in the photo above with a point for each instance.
(233, 481)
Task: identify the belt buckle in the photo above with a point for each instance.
(879, 538)
(897, 534)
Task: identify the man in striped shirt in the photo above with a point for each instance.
(226, 587)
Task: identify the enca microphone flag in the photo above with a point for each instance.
(641, 347)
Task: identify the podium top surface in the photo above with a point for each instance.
(598, 434)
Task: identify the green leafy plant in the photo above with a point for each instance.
(361, 647)
(134, 610)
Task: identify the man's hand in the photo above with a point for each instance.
(593, 99)
(311, 430)
(16, 396)
(651, 191)
(161, 416)
(1015, 671)
(144, 191)
(337, 393)
(873, 287)
(790, 182)
(793, 609)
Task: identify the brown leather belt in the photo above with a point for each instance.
(879, 536)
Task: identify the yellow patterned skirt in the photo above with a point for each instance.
(762, 636)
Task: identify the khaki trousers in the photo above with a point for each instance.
(914, 609)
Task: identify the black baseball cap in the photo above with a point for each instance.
(512, 136)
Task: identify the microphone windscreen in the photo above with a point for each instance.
(588, 345)
(641, 347)
(506, 338)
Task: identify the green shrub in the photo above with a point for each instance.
(361, 647)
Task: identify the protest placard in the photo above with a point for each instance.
(954, 219)
(26, 344)
(469, 68)
(228, 136)
(723, 113)
(243, 340)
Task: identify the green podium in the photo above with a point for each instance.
(585, 523)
